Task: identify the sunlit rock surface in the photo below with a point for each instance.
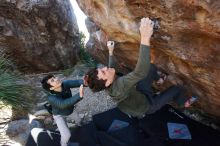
(40, 35)
(186, 45)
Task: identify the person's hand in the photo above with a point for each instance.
(81, 91)
(110, 45)
(85, 80)
(146, 30)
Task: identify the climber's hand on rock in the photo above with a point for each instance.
(81, 91)
(146, 30)
(110, 45)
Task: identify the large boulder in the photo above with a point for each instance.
(186, 45)
(40, 36)
(17, 132)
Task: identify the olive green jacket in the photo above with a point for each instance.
(123, 89)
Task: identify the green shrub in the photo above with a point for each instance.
(12, 89)
(85, 57)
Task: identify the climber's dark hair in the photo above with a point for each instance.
(95, 84)
(44, 83)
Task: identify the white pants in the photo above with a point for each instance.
(63, 128)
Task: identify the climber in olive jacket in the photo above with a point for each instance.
(122, 89)
(133, 91)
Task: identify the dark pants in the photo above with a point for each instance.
(174, 93)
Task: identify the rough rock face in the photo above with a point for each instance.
(17, 132)
(97, 40)
(40, 35)
(186, 45)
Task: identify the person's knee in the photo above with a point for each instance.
(35, 132)
(67, 136)
(139, 86)
(153, 67)
(177, 88)
(181, 89)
